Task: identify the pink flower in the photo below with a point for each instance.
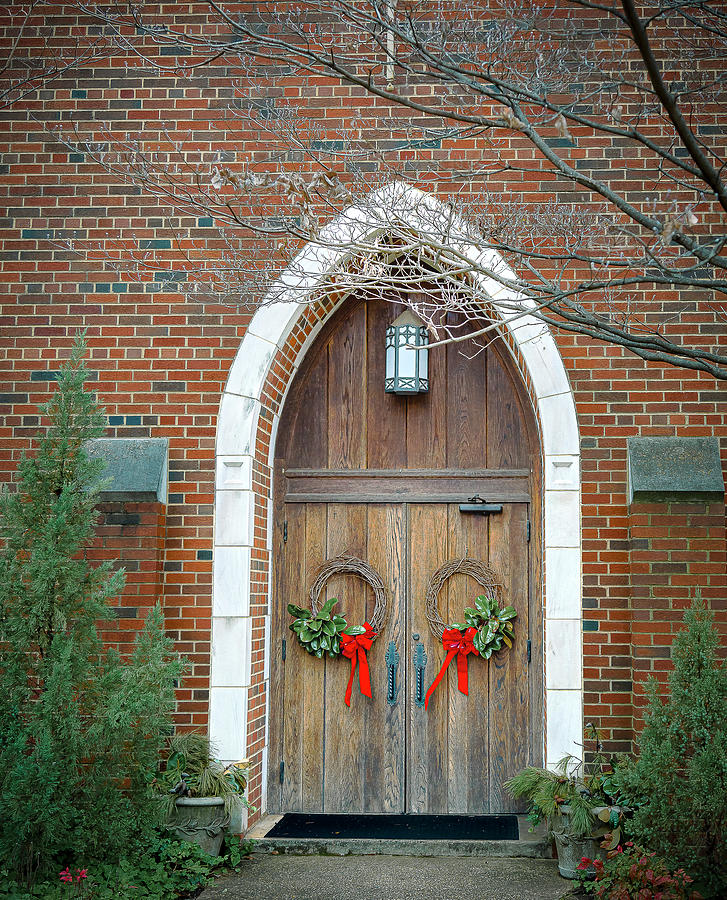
(584, 863)
(65, 875)
(81, 873)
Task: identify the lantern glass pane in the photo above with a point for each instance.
(423, 363)
(390, 361)
(407, 358)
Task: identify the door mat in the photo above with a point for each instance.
(397, 827)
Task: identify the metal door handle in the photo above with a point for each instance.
(392, 664)
(420, 663)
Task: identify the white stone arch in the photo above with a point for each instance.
(237, 429)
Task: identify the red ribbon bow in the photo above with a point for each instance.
(354, 646)
(456, 643)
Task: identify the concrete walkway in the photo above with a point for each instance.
(288, 877)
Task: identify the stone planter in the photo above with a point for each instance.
(572, 849)
(202, 820)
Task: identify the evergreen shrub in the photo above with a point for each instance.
(678, 784)
(81, 729)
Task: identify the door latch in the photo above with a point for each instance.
(477, 505)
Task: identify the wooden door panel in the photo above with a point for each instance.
(293, 562)
(427, 771)
(468, 744)
(313, 670)
(511, 732)
(339, 758)
(384, 752)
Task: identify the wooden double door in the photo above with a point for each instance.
(333, 496)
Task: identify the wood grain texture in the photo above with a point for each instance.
(466, 407)
(313, 673)
(296, 666)
(345, 726)
(278, 633)
(385, 724)
(386, 413)
(427, 744)
(510, 734)
(507, 439)
(347, 393)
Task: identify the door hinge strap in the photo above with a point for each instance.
(284, 650)
(527, 530)
(282, 771)
(529, 650)
(285, 531)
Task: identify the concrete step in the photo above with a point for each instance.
(533, 845)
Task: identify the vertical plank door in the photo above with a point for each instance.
(340, 759)
(464, 747)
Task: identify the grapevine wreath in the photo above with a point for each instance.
(486, 626)
(321, 631)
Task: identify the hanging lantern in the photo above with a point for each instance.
(407, 369)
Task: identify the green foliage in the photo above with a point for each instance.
(321, 633)
(80, 729)
(678, 785)
(494, 625)
(632, 873)
(577, 797)
(167, 869)
(191, 758)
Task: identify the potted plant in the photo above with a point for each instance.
(578, 804)
(200, 791)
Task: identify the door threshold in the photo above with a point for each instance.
(533, 845)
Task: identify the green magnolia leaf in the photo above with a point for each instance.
(325, 612)
(486, 653)
(339, 622)
(507, 640)
(354, 629)
(508, 613)
(319, 654)
(477, 641)
(460, 626)
(315, 644)
(298, 611)
(297, 626)
(329, 628)
(306, 635)
(484, 604)
(335, 646)
(315, 624)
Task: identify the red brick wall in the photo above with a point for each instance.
(131, 535)
(162, 359)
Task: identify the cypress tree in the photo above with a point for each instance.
(80, 728)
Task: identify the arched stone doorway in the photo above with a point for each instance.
(247, 427)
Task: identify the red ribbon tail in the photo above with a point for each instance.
(462, 672)
(350, 680)
(448, 659)
(364, 677)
